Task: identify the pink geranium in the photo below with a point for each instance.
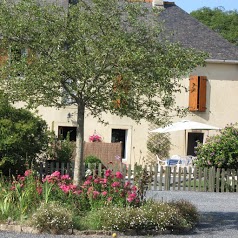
(104, 193)
(131, 197)
(95, 194)
(115, 184)
(65, 177)
(28, 172)
(119, 175)
(108, 173)
(56, 174)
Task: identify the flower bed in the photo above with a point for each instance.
(100, 203)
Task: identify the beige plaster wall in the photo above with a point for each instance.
(136, 133)
(222, 108)
(221, 101)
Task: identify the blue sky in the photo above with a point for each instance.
(191, 5)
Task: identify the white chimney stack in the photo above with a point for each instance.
(158, 3)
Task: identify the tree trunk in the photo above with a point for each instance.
(79, 163)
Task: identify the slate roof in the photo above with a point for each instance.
(190, 33)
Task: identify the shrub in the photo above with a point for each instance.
(91, 159)
(152, 216)
(53, 218)
(220, 151)
(187, 210)
(23, 136)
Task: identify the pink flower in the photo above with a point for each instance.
(90, 177)
(90, 189)
(39, 190)
(104, 193)
(108, 172)
(97, 180)
(131, 197)
(115, 184)
(56, 174)
(119, 175)
(127, 184)
(65, 188)
(103, 181)
(95, 194)
(134, 188)
(65, 177)
(72, 187)
(28, 172)
(109, 199)
(87, 182)
(94, 138)
(77, 192)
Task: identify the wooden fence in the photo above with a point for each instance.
(164, 178)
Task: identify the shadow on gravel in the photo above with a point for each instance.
(218, 221)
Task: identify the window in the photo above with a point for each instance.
(119, 135)
(197, 93)
(64, 130)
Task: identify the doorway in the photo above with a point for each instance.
(193, 139)
(119, 135)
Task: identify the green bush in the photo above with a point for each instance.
(91, 159)
(187, 210)
(220, 151)
(23, 136)
(53, 218)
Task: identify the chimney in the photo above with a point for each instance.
(158, 3)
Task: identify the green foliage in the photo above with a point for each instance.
(91, 159)
(22, 137)
(220, 151)
(60, 150)
(159, 144)
(187, 210)
(100, 40)
(152, 216)
(52, 217)
(221, 21)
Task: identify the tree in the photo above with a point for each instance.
(23, 136)
(220, 151)
(219, 20)
(103, 56)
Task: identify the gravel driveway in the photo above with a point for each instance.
(219, 216)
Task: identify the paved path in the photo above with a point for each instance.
(219, 216)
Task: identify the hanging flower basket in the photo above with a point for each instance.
(95, 138)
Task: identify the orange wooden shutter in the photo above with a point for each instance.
(202, 93)
(193, 93)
